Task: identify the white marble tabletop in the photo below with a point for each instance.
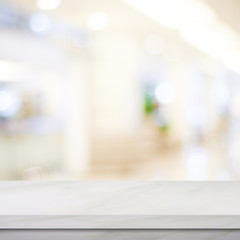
(120, 205)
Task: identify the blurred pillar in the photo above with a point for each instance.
(177, 74)
(116, 91)
(77, 127)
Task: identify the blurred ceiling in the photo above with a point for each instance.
(76, 12)
(123, 17)
(227, 11)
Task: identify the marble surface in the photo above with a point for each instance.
(120, 205)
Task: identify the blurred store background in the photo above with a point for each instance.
(119, 90)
